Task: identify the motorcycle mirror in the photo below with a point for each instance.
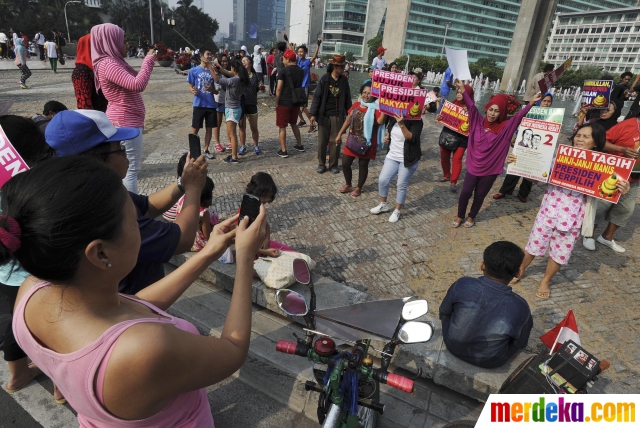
(292, 303)
(415, 332)
(414, 309)
(301, 271)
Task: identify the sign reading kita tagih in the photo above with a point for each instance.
(455, 118)
(592, 173)
(11, 161)
(548, 80)
(536, 143)
(597, 93)
(407, 102)
(381, 77)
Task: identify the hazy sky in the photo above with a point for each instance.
(222, 10)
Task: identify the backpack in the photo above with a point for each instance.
(63, 42)
(298, 95)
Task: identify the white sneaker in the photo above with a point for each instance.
(395, 216)
(589, 243)
(382, 207)
(611, 244)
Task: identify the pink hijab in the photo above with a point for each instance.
(106, 42)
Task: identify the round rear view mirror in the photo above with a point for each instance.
(301, 271)
(292, 303)
(415, 332)
(414, 309)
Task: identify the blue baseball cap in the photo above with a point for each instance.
(72, 132)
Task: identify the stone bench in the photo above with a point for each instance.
(437, 363)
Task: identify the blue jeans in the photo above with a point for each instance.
(389, 170)
(134, 155)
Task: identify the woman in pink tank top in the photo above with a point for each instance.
(119, 360)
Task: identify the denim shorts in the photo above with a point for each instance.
(220, 108)
(233, 114)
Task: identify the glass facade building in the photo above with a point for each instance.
(610, 39)
(483, 27)
(256, 21)
(344, 26)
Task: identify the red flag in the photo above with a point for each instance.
(565, 330)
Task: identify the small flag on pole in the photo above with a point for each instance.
(565, 330)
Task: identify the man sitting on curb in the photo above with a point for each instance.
(483, 321)
(90, 133)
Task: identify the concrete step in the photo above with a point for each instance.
(283, 376)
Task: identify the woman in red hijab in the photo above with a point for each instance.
(488, 145)
(453, 143)
(83, 79)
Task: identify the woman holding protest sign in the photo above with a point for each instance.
(487, 147)
(562, 214)
(453, 145)
(511, 181)
(364, 119)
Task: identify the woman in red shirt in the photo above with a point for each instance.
(364, 118)
(273, 79)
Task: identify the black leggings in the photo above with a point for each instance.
(12, 351)
(363, 170)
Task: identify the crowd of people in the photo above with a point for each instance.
(104, 246)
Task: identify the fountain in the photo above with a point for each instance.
(485, 88)
(509, 87)
(564, 94)
(496, 88)
(576, 107)
(578, 95)
(477, 90)
(523, 87)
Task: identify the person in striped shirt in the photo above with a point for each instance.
(122, 86)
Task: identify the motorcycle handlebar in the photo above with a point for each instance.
(291, 348)
(400, 382)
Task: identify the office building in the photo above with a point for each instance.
(304, 21)
(485, 28)
(256, 21)
(610, 39)
(349, 25)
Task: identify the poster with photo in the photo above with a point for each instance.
(536, 143)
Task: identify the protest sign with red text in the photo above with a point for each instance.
(407, 102)
(381, 77)
(11, 161)
(455, 118)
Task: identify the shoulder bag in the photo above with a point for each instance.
(449, 139)
(356, 143)
(277, 272)
(298, 95)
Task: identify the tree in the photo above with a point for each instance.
(374, 44)
(350, 57)
(488, 67)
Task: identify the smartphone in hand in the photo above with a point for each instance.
(250, 207)
(194, 146)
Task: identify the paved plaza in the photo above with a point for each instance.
(421, 254)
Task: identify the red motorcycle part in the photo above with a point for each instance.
(400, 382)
(325, 347)
(286, 347)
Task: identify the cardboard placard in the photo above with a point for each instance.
(536, 143)
(597, 93)
(381, 77)
(589, 172)
(408, 102)
(455, 118)
(11, 161)
(548, 80)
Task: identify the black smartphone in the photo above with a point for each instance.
(250, 207)
(194, 146)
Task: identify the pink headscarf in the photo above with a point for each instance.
(106, 42)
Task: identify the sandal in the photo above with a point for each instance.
(456, 223)
(544, 295)
(514, 281)
(27, 382)
(356, 192)
(345, 189)
(468, 224)
(498, 196)
(444, 180)
(312, 128)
